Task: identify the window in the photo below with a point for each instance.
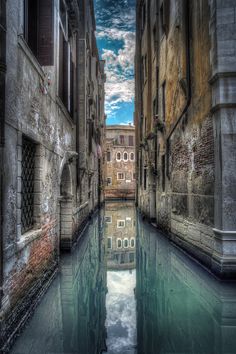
(38, 29)
(109, 242)
(142, 73)
(156, 101)
(108, 156)
(131, 257)
(155, 40)
(122, 258)
(119, 243)
(126, 243)
(118, 156)
(141, 169)
(122, 139)
(134, 175)
(28, 173)
(131, 140)
(162, 21)
(132, 156)
(145, 178)
(164, 16)
(109, 181)
(66, 65)
(145, 67)
(164, 101)
(163, 160)
(108, 219)
(90, 135)
(125, 156)
(120, 224)
(120, 176)
(132, 242)
(143, 16)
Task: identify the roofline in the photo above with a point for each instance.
(117, 127)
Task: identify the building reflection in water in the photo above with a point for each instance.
(71, 317)
(120, 235)
(181, 308)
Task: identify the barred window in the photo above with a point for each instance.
(28, 174)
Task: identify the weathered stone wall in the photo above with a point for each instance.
(34, 110)
(184, 109)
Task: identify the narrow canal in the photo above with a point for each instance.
(125, 289)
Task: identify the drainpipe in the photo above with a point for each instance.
(2, 125)
(188, 79)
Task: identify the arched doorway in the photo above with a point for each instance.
(66, 203)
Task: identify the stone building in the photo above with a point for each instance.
(120, 235)
(185, 115)
(52, 119)
(119, 160)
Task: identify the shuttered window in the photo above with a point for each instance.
(122, 139)
(38, 29)
(131, 140)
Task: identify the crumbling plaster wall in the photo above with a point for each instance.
(186, 207)
(34, 110)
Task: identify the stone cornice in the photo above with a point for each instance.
(221, 75)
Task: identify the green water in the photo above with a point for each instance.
(125, 289)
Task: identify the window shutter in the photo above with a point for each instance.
(46, 32)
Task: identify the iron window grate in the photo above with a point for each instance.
(28, 173)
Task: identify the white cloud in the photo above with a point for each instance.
(119, 68)
(121, 311)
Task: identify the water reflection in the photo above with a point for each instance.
(120, 234)
(181, 308)
(71, 316)
(92, 303)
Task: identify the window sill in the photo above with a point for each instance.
(28, 52)
(27, 238)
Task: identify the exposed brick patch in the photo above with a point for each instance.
(33, 267)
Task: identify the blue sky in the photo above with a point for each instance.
(116, 42)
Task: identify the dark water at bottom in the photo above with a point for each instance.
(125, 289)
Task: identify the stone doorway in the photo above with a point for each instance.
(66, 204)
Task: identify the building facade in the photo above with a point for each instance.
(185, 125)
(52, 146)
(119, 162)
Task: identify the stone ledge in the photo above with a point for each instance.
(27, 238)
(27, 51)
(219, 75)
(225, 235)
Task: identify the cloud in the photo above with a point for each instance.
(115, 30)
(119, 69)
(121, 311)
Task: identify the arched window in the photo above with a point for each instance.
(125, 156)
(118, 156)
(119, 243)
(126, 243)
(131, 156)
(132, 242)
